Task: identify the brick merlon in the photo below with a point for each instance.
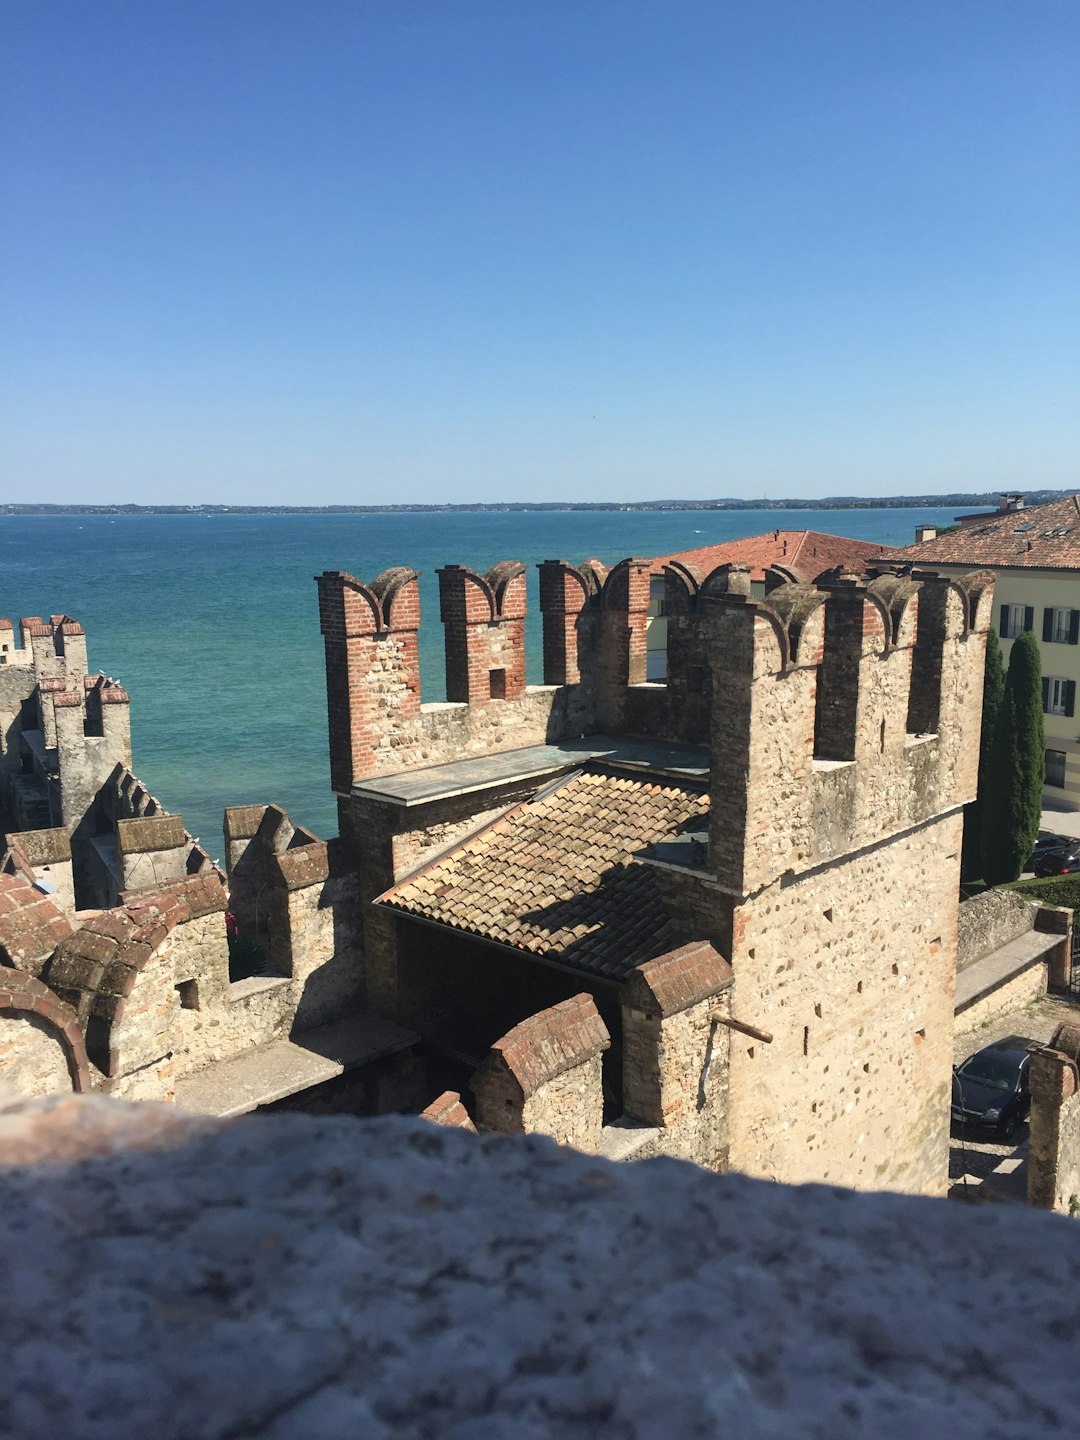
(448, 1110)
(551, 1042)
(675, 981)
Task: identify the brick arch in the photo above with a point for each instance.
(23, 994)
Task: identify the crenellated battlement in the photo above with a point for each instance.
(836, 712)
(842, 713)
(484, 628)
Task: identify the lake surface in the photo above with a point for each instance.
(211, 622)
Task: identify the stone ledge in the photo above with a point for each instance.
(285, 1067)
(240, 990)
(982, 977)
(293, 1277)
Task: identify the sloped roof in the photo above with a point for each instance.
(1043, 537)
(31, 926)
(554, 876)
(808, 552)
(96, 967)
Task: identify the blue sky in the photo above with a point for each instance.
(334, 251)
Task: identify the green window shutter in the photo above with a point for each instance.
(1029, 617)
(1046, 695)
(1074, 626)
(1003, 623)
(1070, 696)
(1048, 623)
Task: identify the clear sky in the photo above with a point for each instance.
(323, 251)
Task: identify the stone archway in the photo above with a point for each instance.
(39, 1038)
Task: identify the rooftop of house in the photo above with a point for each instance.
(807, 552)
(555, 876)
(1045, 537)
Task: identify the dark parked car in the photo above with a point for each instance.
(1062, 861)
(990, 1089)
(1048, 840)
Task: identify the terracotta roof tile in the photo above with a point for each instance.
(807, 552)
(555, 877)
(1043, 537)
(30, 925)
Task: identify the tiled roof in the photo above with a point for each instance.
(31, 926)
(1046, 536)
(554, 877)
(808, 552)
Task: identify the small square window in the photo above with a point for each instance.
(188, 991)
(497, 684)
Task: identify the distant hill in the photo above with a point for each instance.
(830, 502)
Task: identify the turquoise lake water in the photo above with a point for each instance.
(211, 623)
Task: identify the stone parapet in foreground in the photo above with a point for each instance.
(285, 1277)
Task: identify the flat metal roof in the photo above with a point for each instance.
(459, 777)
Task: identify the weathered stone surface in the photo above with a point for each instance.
(1054, 1159)
(990, 920)
(852, 971)
(285, 1277)
(544, 1076)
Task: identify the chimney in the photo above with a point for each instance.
(925, 532)
(1010, 502)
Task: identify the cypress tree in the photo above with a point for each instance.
(993, 686)
(1012, 804)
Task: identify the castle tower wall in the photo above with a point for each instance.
(764, 696)
(48, 687)
(675, 1052)
(152, 851)
(689, 673)
(812, 756)
(39, 639)
(69, 645)
(850, 972)
(11, 651)
(836, 832)
(565, 592)
(108, 718)
(619, 652)
(372, 670)
(865, 677)
(484, 631)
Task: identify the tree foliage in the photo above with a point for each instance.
(1012, 802)
(993, 687)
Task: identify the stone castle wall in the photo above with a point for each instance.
(32, 1059)
(851, 970)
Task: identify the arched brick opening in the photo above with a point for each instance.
(22, 994)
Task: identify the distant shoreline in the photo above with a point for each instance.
(832, 502)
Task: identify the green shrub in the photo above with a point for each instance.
(1061, 890)
(971, 866)
(1012, 803)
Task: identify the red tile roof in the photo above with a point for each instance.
(554, 876)
(31, 926)
(808, 552)
(1042, 537)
